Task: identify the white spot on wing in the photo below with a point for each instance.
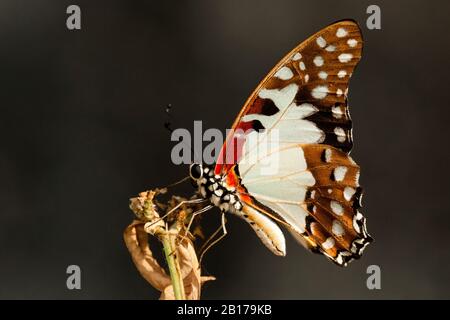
(284, 73)
(297, 56)
(336, 208)
(302, 65)
(341, 32)
(337, 111)
(345, 57)
(321, 42)
(340, 134)
(328, 158)
(320, 92)
(318, 61)
(348, 193)
(328, 244)
(339, 173)
(342, 73)
(330, 48)
(352, 43)
(337, 228)
(307, 78)
(339, 92)
(323, 75)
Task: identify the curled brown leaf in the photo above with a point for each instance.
(136, 240)
(146, 207)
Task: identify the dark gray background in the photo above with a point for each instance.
(81, 131)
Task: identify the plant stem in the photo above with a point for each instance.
(174, 267)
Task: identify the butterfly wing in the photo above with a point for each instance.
(314, 189)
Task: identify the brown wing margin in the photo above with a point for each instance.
(335, 224)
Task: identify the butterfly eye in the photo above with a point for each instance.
(196, 171)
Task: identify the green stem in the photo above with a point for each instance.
(174, 267)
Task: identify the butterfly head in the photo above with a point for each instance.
(202, 177)
(196, 171)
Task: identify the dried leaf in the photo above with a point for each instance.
(146, 208)
(190, 271)
(136, 240)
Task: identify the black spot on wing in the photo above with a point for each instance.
(328, 123)
(323, 156)
(257, 125)
(308, 221)
(269, 108)
(308, 194)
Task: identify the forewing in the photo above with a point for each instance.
(304, 96)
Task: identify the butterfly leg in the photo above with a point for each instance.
(196, 213)
(222, 227)
(211, 237)
(184, 202)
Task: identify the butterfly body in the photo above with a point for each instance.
(229, 195)
(314, 189)
(215, 188)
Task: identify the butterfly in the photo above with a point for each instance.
(314, 192)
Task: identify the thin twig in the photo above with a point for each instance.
(174, 266)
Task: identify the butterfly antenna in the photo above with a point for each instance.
(168, 123)
(168, 126)
(178, 182)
